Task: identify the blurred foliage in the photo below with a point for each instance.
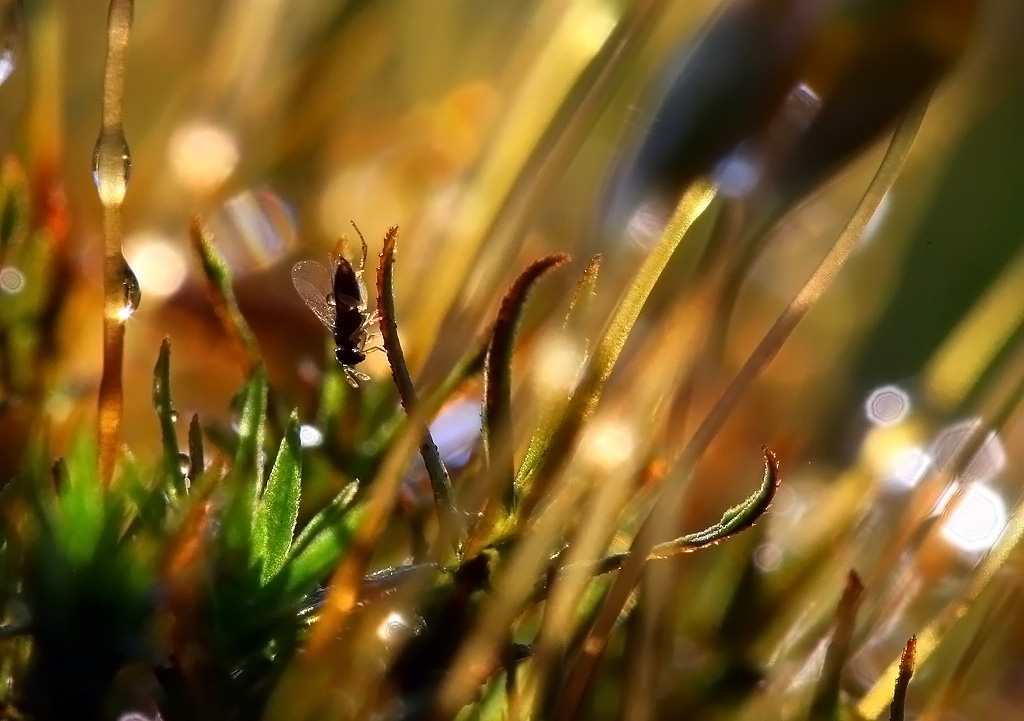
(284, 555)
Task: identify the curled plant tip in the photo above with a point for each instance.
(218, 280)
(171, 461)
(497, 401)
(899, 699)
(440, 481)
(735, 520)
(825, 705)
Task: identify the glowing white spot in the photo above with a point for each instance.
(767, 556)
(887, 406)
(125, 313)
(908, 467)
(158, 264)
(202, 156)
(986, 463)
(876, 222)
(394, 626)
(646, 223)
(738, 173)
(12, 280)
(978, 520)
(310, 436)
(558, 362)
(608, 443)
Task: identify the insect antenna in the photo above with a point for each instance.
(362, 261)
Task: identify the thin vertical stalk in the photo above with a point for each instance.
(111, 166)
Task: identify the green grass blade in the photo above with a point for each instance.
(170, 462)
(278, 508)
(218, 279)
(247, 473)
(826, 703)
(320, 551)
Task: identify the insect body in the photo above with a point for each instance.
(338, 298)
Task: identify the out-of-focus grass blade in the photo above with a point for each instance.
(825, 706)
(278, 508)
(607, 351)
(218, 280)
(552, 416)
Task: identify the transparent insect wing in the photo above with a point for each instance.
(315, 285)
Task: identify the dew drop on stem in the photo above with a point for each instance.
(111, 166)
(131, 294)
(185, 465)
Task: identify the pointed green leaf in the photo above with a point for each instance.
(317, 553)
(278, 509)
(170, 463)
(247, 472)
(218, 279)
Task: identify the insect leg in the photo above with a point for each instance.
(351, 376)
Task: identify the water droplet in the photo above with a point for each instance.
(12, 280)
(111, 166)
(10, 37)
(185, 464)
(131, 296)
(174, 416)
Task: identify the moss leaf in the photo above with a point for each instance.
(278, 508)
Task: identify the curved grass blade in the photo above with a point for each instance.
(440, 481)
(278, 508)
(735, 520)
(826, 706)
(580, 304)
(899, 699)
(218, 281)
(497, 401)
(584, 401)
(174, 479)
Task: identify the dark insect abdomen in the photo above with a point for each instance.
(346, 285)
(347, 323)
(349, 356)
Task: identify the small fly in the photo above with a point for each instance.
(337, 297)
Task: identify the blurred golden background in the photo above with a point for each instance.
(488, 131)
